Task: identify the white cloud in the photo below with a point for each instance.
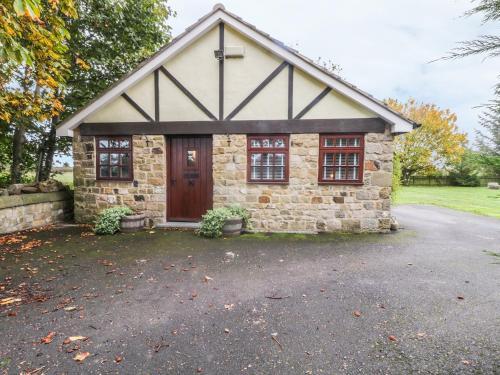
(383, 46)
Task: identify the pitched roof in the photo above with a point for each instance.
(399, 123)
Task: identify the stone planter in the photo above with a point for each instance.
(232, 226)
(132, 223)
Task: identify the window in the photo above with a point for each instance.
(341, 159)
(114, 158)
(268, 159)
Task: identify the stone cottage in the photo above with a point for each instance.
(225, 114)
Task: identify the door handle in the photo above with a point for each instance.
(191, 182)
(173, 181)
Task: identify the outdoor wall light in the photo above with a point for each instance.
(219, 54)
(228, 140)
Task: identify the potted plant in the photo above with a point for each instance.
(224, 221)
(116, 219)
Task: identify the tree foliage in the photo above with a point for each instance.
(435, 145)
(488, 139)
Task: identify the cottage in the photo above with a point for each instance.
(225, 114)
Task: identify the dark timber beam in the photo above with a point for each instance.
(157, 95)
(356, 125)
(290, 92)
(186, 92)
(315, 101)
(136, 107)
(257, 90)
(221, 72)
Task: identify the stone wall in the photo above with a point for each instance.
(303, 205)
(20, 212)
(147, 193)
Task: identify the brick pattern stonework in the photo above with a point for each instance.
(147, 193)
(303, 205)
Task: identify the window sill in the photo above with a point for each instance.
(268, 182)
(359, 183)
(114, 180)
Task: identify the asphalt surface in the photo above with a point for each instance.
(423, 300)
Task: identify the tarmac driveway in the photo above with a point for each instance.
(423, 300)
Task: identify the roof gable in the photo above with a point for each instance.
(201, 29)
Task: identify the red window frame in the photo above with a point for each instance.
(268, 150)
(114, 150)
(336, 148)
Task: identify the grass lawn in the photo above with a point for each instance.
(478, 200)
(66, 178)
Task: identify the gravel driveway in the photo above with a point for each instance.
(423, 300)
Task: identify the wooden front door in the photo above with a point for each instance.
(189, 185)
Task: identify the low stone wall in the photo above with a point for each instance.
(20, 212)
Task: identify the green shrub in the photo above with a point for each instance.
(108, 221)
(396, 176)
(213, 220)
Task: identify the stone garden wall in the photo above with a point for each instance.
(303, 205)
(147, 193)
(20, 212)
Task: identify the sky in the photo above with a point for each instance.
(383, 46)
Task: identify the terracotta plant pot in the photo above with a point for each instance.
(232, 226)
(132, 223)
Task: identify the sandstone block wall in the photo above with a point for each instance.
(20, 212)
(303, 205)
(147, 193)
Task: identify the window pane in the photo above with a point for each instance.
(340, 173)
(340, 142)
(256, 173)
(340, 159)
(104, 172)
(255, 159)
(267, 173)
(279, 159)
(114, 143)
(103, 143)
(124, 143)
(279, 143)
(328, 159)
(328, 142)
(104, 158)
(115, 159)
(279, 173)
(191, 158)
(352, 173)
(352, 159)
(327, 173)
(255, 143)
(124, 158)
(115, 171)
(267, 159)
(125, 173)
(267, 143)
(354, 142)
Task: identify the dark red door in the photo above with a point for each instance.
(189, 188)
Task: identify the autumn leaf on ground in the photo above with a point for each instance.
(118, 359)
(48, 339)
(207, 279)
(229, 306)
(80, 357)
(392, 338)
(357, 314)
(76, 338)
(9, 300)
(70, 308)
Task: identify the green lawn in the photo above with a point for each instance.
(66, 178)
(478, 200)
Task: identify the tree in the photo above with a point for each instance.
(34, 66)
(108, 39)
(435, 145)
(488, 139)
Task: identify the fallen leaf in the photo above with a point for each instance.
(9, 300)
(207, 279)
(199, 370)
(48, 339)
(70, 308)
(392, 338)
(229, 306)
(226, 330)
(460, 297)
(357, 314)
(80, 357)
(118, 359)
(421, 334)
(465, 362)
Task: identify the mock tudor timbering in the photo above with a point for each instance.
(177, 130)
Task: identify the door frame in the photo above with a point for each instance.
(210, 185)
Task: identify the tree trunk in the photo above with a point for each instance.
(47, 153)
(16, 169)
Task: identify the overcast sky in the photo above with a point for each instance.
(383, 46)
